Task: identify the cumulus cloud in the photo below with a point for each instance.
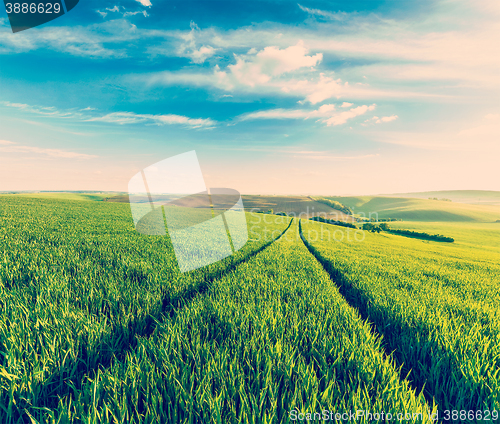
(258, 68)
(346, 104)
(145, 3)
(270, 70)
(192, 46)
(386, 119)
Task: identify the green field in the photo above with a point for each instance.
(97, 324)
(293, 205)
(476, 197)
(413, 209)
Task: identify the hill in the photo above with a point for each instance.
(413, 209)
(298, 205)
(65, 195)
(474, 197)
(304, 206)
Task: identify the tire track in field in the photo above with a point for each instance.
(64, 384)
(172, 303)
(356, 298)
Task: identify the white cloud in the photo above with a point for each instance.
(385, 119)
(325, 114)
(343, 117)
(145, 3)
(12, 147)
(324, 14)
(345, 104)
(139, 12)
(192, 46)
(133, 118)
(259, 68)
(116, 117)
(47, 111)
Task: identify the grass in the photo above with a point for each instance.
(97, 324)
(78, 285)
(297, 205)
(463, 196)
(270, 336)
(435, 304)
(94, 196)
(411, 209)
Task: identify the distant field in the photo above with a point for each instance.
(99, 196)
(475, 197)
(411, 209)
(298, 205)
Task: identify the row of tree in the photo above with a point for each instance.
(407, 233)
(335, 205)
(333, 222)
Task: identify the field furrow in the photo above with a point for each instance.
(78, 286)
(270, 339)
(444, 332)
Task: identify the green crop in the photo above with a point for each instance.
(436, 305)
(97, 324)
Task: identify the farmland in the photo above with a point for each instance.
(97, 324)
(414, 209)
(436, 307)
(293, 205)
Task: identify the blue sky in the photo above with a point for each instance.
(308, 97)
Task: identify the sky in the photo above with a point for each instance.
(276, 97)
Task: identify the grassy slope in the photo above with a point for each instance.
(65, 195)
(99, 326)
(462, 196)
(78, 285)
(410, 209)
(436, 305)
(290, 204)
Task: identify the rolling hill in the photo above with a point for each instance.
(474, 197)
(413, 209)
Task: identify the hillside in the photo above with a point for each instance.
(65, 195)
(304, 206)
(474, 197)
(412, 209)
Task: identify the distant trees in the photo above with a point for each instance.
(371, 227)
(424, 236)
(368, 226)
(442, 200)
(333, 222)
(384, 226)
(335, 205)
